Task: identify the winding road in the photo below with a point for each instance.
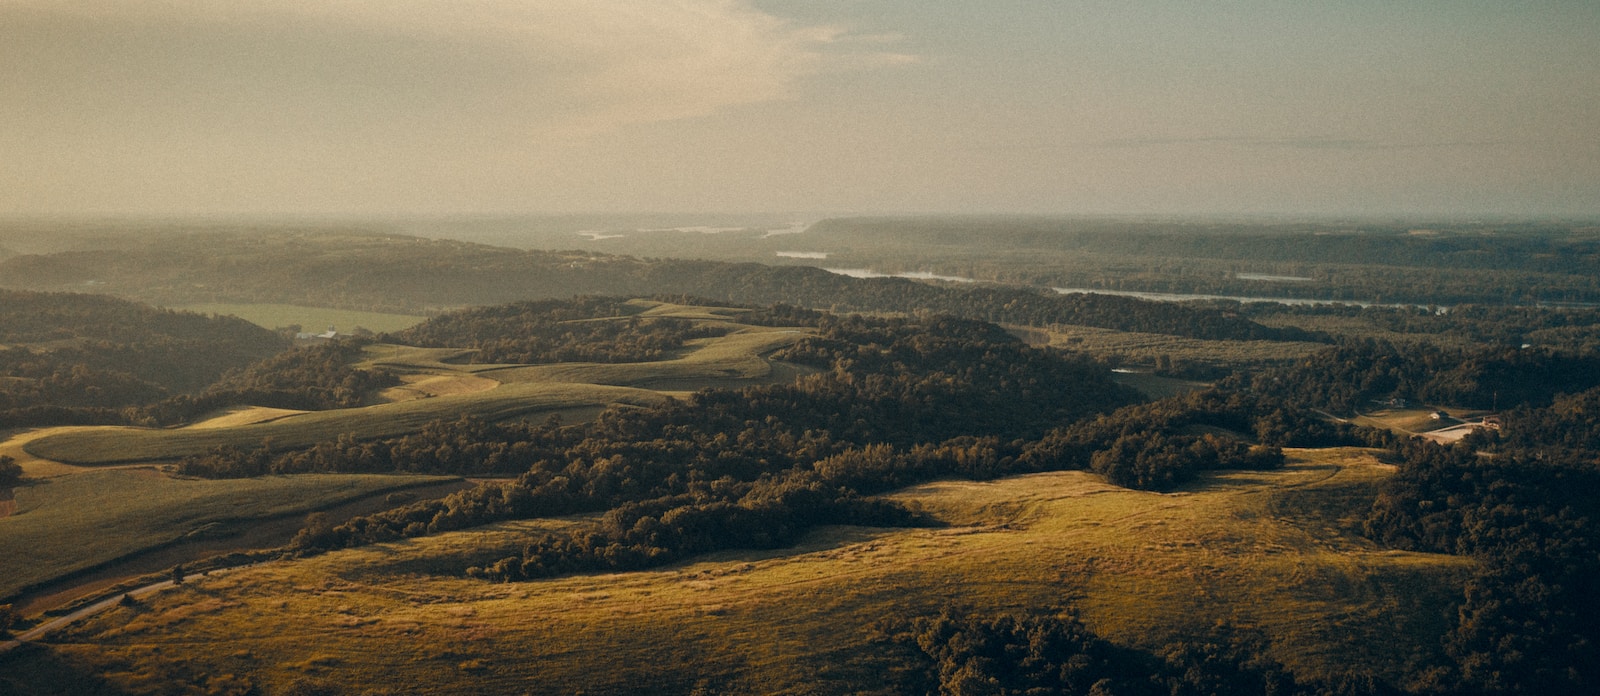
(60, 622)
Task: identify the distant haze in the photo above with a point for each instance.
(384, 107)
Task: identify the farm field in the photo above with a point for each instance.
(313, 319)
(1271, 554)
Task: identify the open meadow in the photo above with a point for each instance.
(66, 524)
(1271, 555)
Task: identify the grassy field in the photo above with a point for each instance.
(314, 319)
(69, 523)
(1271, 554)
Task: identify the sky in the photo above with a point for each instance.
(396, 107)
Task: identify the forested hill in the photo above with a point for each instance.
(408, 274)
(72, 350)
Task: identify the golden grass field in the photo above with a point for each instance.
(1272, 553)
(87, 503)
(68, 523)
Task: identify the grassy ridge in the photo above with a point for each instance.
(69, 523)
(1266, 552)
(101, 446)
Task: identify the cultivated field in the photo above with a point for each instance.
(1270, 554)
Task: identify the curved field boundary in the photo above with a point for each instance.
(116, 445)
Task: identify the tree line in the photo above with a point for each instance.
(1349, 377)
(582, 329)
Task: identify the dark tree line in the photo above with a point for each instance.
(1569, 427)
(1351, 376)
(10, 471)
(1567, 329)
(1015, 654)
(310, 378)
(88, 359)
(1529, 620)
(583, 329)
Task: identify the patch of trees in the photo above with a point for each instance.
(1527, 622)
(768, 513)
(1569, 427)
(1349, 377)
(311, 378)
(583, 329)
(970, 655)
(10, 471)
(70, 358)
(1163, 444)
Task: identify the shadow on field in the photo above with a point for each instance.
(39, 670)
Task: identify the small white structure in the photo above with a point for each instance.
(328, 335)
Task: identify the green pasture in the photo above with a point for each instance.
(69, 523)
(313, 319)
(1267, 553)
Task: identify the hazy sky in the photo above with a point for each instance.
(433, 106)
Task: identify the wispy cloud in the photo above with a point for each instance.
(564, 66)
(1291, 143)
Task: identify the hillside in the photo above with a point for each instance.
(66, 351)
(1270, 556)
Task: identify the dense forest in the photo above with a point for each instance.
(1572, 329)
(71, 358)
(1357, 374)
